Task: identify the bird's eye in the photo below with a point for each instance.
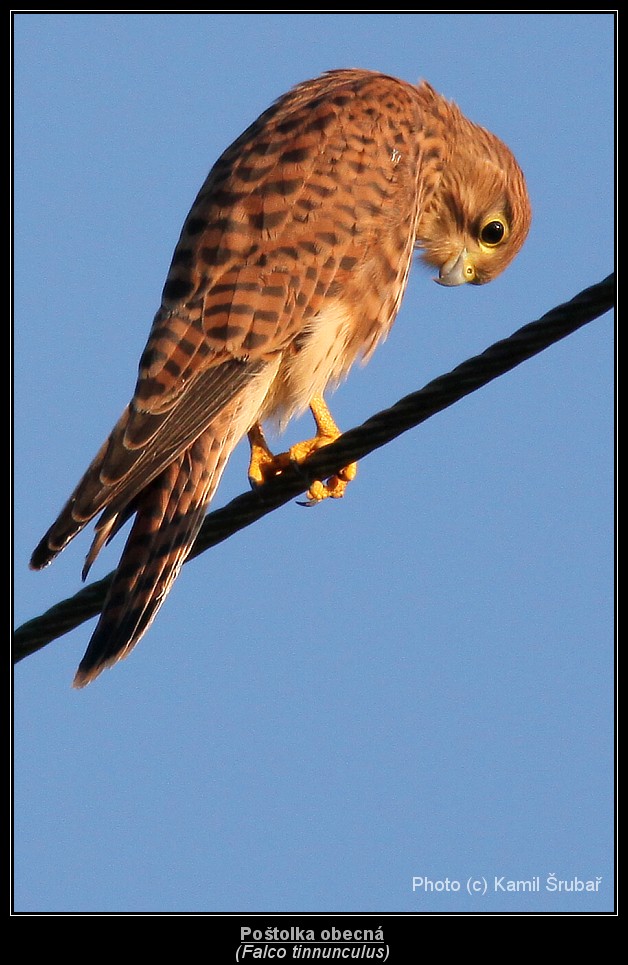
(493, 232)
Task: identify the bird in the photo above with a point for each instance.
(290, 267)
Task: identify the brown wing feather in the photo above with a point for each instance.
(122, 468)
(270, 239)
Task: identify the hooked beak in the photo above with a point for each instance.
(457, 271)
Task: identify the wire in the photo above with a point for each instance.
(351, 446)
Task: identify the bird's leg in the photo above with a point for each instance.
(264, 464)
(326, 432)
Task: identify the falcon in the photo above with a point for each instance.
(291, 266)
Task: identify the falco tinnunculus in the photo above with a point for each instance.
(290, 266)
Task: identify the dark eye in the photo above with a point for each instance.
(492, 233)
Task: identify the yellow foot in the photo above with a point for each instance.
(333, 488)
(264, 464)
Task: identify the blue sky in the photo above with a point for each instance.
(414, 681)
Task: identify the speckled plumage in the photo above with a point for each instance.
(290, 266)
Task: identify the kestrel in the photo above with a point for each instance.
(290, 266)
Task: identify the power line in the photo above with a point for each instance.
(352, 445)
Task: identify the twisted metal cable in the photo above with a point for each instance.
(352, 445)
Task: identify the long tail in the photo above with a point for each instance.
(169, 513)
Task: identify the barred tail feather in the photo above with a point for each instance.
(169, 514)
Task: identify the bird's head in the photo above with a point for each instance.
(479, 214)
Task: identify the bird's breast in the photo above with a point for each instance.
(320, 356)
